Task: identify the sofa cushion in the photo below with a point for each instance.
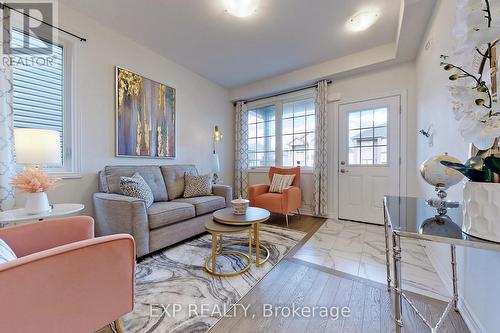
(174, 178)
(206, 204)
(151, 174)
(161, 214)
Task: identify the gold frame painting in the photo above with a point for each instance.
(145, 116)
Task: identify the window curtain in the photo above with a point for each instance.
(7, 158)
(241, 151)
(320, 155)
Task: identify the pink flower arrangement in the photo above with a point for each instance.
(33, 180)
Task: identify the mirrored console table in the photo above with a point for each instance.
(415, 218)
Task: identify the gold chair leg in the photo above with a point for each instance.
(286, 219)
(118, 326)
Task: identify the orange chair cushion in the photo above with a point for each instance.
(270, 201)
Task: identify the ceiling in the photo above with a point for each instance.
(284, 35)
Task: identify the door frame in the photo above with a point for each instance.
(334, 184)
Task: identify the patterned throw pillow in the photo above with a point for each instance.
(137, 187)
(279, 182)
(6, 253)
(196, 186)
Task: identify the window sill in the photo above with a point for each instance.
(66, 175)
(266, 170)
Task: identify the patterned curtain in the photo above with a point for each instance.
(7, 159)
(320, 154)
(241, 151)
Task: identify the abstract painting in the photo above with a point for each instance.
(145, 116)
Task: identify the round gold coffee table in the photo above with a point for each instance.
(218, 229)
(254, 217)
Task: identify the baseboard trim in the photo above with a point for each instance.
(469, 317)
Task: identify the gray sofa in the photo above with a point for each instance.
(169, 220)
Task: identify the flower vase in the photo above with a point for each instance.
(481, 210)
(37, 203)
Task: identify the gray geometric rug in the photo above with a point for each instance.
(174, 293)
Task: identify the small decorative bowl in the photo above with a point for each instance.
(240, 206)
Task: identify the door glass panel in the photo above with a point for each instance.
(380, 136)
(354, 156)
(354, 138)
(367, 155)
(367, 137)
(367, 118)
(380, 117)
(380, 155)
(354, 120)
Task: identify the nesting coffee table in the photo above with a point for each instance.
(254, 217)
(225, 222)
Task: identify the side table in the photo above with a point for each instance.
(218, 229)
(16, 216)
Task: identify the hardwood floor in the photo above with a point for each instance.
(294, 281)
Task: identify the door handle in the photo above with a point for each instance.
(344, 170)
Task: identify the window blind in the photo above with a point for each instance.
(38, 88)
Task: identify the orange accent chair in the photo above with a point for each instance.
(64, 279)
(281, 203)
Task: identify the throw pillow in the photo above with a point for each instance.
(6, 253)
(137, 187)
(196, 186)
(279, 182)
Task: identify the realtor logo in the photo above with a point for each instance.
(34, 19)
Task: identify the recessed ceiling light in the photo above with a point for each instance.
(362, 20)
(241, 8)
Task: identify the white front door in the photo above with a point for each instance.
(369, 157)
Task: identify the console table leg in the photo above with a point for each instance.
(398, 297)
(454, 272)
(387, 255)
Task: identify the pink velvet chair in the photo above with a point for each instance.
(64, 279)
(281, 203)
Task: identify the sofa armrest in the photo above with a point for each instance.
(120, 214)
(34, 237)
(78, 287)
(225, 191)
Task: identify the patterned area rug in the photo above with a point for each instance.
(175, 294)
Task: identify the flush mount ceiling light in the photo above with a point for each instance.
(241, 8)
(362, 20)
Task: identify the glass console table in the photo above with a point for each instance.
(414, 218)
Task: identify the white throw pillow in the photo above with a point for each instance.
(137, 187)
(279, 182)
(6, 253)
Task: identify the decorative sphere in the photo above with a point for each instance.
(439, 175)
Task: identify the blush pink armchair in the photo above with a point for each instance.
(281, 203)
(64, 279)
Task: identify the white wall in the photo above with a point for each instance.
(397, 79)
(201, 104)
(479, 271)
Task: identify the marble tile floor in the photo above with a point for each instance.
(359, 249)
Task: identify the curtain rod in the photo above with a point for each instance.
(2, 6)
(284, 92)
